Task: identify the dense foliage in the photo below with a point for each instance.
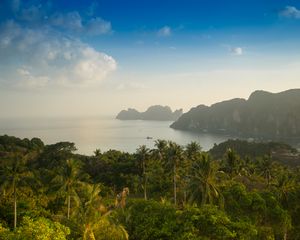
(168, 192)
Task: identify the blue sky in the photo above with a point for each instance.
(77, 55)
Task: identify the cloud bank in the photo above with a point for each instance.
(290, 12)
(40, 57)
(41, 47)
(236, 51)
(72, 21)
(164, 32)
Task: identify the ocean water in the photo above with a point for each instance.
(105, 133)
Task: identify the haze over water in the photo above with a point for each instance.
(82, 58)
(102, 132)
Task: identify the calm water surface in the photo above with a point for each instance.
(103, 132)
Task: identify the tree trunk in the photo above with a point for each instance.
(69, 205)
(145, 181)
(15, 207)
(285, 236)
(92, 236)
(145, 189)
(268, 178)
(204, 196)
(174, 181)
(88, 233)
(85, 233)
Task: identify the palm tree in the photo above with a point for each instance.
(203, 180)
(68, 180)
(92, 215)
(158, 172)
(285, 186)
(12, 175)
(265, 168)
(174, 158)
(232, 163)
(87, 212)
(159, 153)
(161, 146)
(143, 156)
(40, 181)
(97, 152)
(193, 149)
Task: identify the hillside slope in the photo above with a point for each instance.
(264, 114)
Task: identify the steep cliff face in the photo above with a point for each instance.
(264, 114)
(156, 113)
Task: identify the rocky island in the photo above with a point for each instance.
(263, 114)
(154, 113)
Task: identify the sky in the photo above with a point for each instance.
(89, 58)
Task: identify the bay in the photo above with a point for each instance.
(90, 133)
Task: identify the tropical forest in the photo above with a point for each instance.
(168, 192)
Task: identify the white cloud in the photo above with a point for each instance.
(73, 21)
(43, 57)
(164, 31)
(98, 26)
(290, 12)
(92, 8)
(70, 21)
(10, 31)
(237, 51)
(23, 71)
(93, 65)
(31, 14)
(28, 11)
(28, 80)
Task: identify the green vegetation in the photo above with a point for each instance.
(237, 190)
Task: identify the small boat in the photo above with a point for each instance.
(149, 137)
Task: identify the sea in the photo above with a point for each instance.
(104, 133)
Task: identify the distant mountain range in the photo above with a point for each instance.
(264, 114)
(156, 113)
